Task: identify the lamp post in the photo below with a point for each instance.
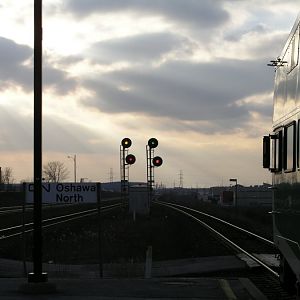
(74, 160)
(236, 195)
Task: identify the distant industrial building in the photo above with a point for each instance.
(116, 186)
(247, 196)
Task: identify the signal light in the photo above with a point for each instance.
(126, 143)
(130, 159)
(153, 143)
(157, 161)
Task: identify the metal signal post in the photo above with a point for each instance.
(151, 163)
(125, 161)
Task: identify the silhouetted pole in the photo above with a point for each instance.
(236, 190)
(75, 165)
(37, 275)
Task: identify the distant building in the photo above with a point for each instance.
(258, 195)
(116, 186)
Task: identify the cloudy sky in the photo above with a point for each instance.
(192, 73)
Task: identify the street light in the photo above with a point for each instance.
(236, 195)
(74, 160)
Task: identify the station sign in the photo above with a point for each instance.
(65, 193)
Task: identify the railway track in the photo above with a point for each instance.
(19, 208)
(13, 231)
(29, 207)
(241, 241)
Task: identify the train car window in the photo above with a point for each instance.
(276, 152)
(289, 147)
(279, 93)
(273, 153)
(293, 51)
(298, 145)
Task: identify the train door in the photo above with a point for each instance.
(286, 219)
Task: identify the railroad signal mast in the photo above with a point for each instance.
(152, 162)
(126, 160)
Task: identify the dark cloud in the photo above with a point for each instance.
(16, 69)
(267, 45)
(59, 81)
(271, 46)
(280, 2)
(138, 48)
(239, 33)
(59, 135)
(66, 61)
(12, 59)
(223, 126)
(204, 13)
(13, 53)
(183, 90)
(18, 133)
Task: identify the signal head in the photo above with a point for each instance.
(126, 143)
(130, 159)
(157, 161)
(153, 143)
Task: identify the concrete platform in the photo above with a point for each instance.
(269, 259)
(179, 267)
(136, 289)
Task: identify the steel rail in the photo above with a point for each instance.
(4, 208)
(12, 209)
(223, 221)
(18, 208)
(50, 219)
(49, 225)
(231, 243)
(69, 217)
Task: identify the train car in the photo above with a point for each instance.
(281, 155)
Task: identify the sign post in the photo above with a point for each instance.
(23, 229)
(99, 230)
(61, 193)
(37, 275)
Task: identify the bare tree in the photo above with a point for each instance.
(55, 171)
(28, 179)
(7, 175)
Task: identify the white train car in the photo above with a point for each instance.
(282, 157)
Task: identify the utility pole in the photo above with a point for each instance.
(181, 179)
(75, 165)
(111, 175)
(236, 190)
(37, 275)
